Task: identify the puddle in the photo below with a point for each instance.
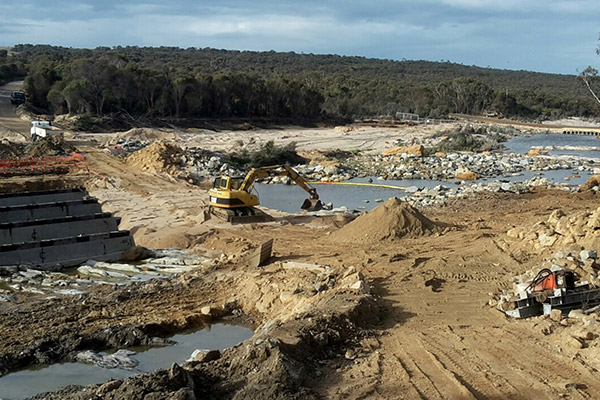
(40, 379)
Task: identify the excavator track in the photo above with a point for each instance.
(240, 215)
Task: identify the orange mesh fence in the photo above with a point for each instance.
(42, 165)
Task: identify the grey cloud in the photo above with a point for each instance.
(551, 35)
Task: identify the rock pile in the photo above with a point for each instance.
(448, 166)
(393, 219)
(16, 281)
(561, 230)
(593, 184)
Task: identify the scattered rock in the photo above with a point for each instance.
(109, 387)
(361, 286)
(556, 315)
(208, 311)
(416, 150)
(467, 176)
(576, 314)
(136, 253)
(203, 356)
(574, 343)
(588, 254)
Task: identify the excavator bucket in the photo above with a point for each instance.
(312, 205)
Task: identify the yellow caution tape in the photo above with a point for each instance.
(358, 184)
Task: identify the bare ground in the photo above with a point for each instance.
(425, 332)
(435, 336)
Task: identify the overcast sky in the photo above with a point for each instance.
(540, 35)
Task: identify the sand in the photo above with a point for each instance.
(393, 219)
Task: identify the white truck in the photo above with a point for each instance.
(43, 129)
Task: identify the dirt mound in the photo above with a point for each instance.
(160, 156)
(47, 148)
(9, 150)
(392, 219)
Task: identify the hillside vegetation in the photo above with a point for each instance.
(173, 83)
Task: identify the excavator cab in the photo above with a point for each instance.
(227, 192)
(228, 182)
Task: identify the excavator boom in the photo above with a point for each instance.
(278, 170)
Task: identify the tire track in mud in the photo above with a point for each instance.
(427, 376)
(505, 368)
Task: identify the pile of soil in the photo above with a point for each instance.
(160, 156)
(392, 219)
(47, 148)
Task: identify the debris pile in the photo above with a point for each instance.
(17, 281)
(560, 230)
(45, 147)
(567, 281)
(393, 219)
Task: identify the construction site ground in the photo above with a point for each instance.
(427, 331)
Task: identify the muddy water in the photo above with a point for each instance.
(27, 383)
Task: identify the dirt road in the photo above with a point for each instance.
(8, 119)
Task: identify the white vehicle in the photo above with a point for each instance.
(43, 129)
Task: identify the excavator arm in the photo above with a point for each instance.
(278, 170)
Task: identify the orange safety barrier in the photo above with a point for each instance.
(42, 165)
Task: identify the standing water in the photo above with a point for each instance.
(289, 198)
(557, 145)
(40, 379)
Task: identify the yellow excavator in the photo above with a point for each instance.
(231, 198)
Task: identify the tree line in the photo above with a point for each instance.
(11, 68)
(167, 82)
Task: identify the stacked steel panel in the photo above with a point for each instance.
(53, 229)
